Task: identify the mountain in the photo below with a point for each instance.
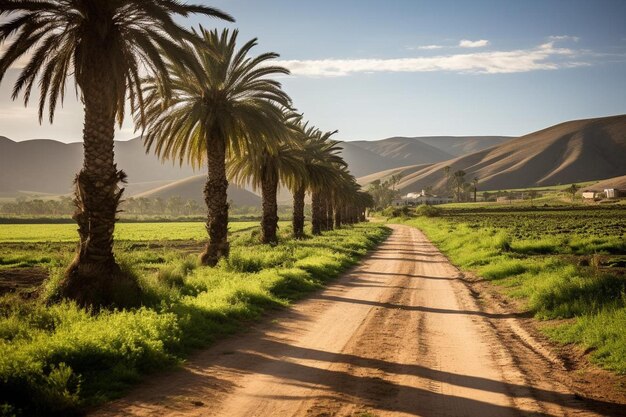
(192, 188)
(463, 145)
(48, 166)
(43, 166)
(575, 151)
(363, 161)
(367, 157)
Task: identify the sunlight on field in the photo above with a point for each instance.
(123, 231)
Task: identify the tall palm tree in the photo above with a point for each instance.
(322, 160)
(104, 45)
(265, 170)
(228, 109)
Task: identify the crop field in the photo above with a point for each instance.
(565, 264)
(600, 224)
(144, 231)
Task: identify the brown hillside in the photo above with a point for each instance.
(191, 188)
(575, 151)
(617, 182)
(369, 157)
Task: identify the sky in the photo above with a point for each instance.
(376, 69)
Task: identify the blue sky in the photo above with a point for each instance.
(374, 69)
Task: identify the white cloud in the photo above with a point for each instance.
(564, 38)
(465, 43)
(546, 56)
(429, 47)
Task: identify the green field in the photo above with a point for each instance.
(58, 359)
(566, 266)
(38, 233)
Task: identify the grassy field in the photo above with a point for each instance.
(562, 264)
(58, 359)
(39, 233)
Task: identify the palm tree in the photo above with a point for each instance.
(344, 195)
(265, 170)
(323, 165)
(459, 180)
(104, 45)
(475, 182)
(228, 110)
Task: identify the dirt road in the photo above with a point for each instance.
(400, 335)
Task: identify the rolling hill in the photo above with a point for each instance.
(43, 166)
(48, 166)
(367, 157)
(575, 151)
(616, 182)
(191, 188)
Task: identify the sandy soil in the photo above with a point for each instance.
(400, 335)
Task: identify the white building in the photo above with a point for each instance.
(414, 199)
(612, 193)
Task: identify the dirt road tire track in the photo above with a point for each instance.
(399, 335)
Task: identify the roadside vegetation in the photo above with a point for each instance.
(134, 297)
(567, 267)
(58, 358)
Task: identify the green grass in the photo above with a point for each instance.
(556, 262)
(38, 233)
(60, 359)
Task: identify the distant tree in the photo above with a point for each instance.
(572, 190)
(459, 180)
(143, 204)
(486, 196)
(532, 194)
(175, 205)
(159, 205)
(191, 207)
(382, 193)
(475, 182)
(394, 180)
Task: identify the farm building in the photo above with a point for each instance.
(614, 193)
(590, 195)
(414, 199)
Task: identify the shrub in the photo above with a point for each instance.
(428, 211)
(403, 211)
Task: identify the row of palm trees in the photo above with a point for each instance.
(199, 99)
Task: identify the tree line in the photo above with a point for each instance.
(199, 96)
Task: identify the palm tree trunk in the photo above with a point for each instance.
(338, 210)
(329, 215)
(321, 213)
(316, 208)
(94, 277)
(298, 212)
(269, 221)
(216, 198)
